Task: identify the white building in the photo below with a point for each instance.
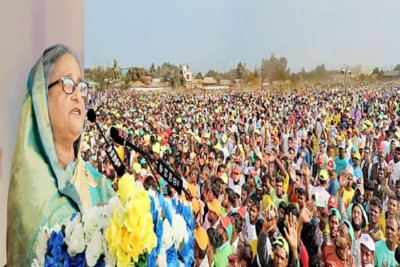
(187, 72)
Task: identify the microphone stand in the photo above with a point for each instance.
(162, 168)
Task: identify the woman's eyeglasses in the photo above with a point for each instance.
(69, 86)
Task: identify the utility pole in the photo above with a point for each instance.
(345, 72)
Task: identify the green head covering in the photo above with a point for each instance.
(335, 212)
(54, 195)
(364, 214)
(350, 229)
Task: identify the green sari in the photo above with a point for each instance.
(41, 191)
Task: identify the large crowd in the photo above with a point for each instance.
(283, 180)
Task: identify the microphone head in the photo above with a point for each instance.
(91, 115)
(114, 133)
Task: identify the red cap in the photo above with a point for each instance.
(320, 158)
(254, 173)
(164, 142)
(242, 211)
(238, 159)
(332, 202)
(330, 165)
(380, 148)
(225, 221)
(325, 211)
(236, 169)
(218, 175)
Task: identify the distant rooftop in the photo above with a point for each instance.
(393, 73)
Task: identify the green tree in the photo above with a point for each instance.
(375, 71)
(240, 70)
(199, 75)
(275, 69)
(100, 75)
(152, 70)
(295, 78)
(256, 72)
(173, 74)
(320, 72)
(215, 74)
(116, 70)
(397, 67)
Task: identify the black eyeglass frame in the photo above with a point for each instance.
(62, 79)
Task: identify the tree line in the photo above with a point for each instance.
(272, 69)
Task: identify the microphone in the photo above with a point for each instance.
(119, 167)
(162, 168)
(114, 133)
(91, 115)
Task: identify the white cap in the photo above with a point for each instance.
(367, 241)
(349, 170)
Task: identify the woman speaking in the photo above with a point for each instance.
(49, 180)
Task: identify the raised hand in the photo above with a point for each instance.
(389, 170)
(271, 159)
(343, 180)
(305, 171)
(267, 216)
(291, 234)
(307, 212)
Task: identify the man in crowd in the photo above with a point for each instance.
(385, 248)
(225, 231)
(200, 247)
(367, 251)
(339, 254)
(374, 229)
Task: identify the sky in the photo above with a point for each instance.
(217, 34)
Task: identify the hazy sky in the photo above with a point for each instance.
(217, 34)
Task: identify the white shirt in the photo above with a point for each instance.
(205, 262)
(385, 146)
(396, 170)
(250, 232)
(207, 224)
(320, 190)
(235, 245)
(285, 138)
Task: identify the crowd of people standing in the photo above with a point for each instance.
(283, 180)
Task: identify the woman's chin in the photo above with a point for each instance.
(76, 132)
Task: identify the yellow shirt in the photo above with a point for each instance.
(329, 119)
(336, 119)
(285, 182)
(315, 144)
(378, 236)
(347, 197)
(382, 222)
(342, 137)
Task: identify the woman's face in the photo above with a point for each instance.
(66, 111)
